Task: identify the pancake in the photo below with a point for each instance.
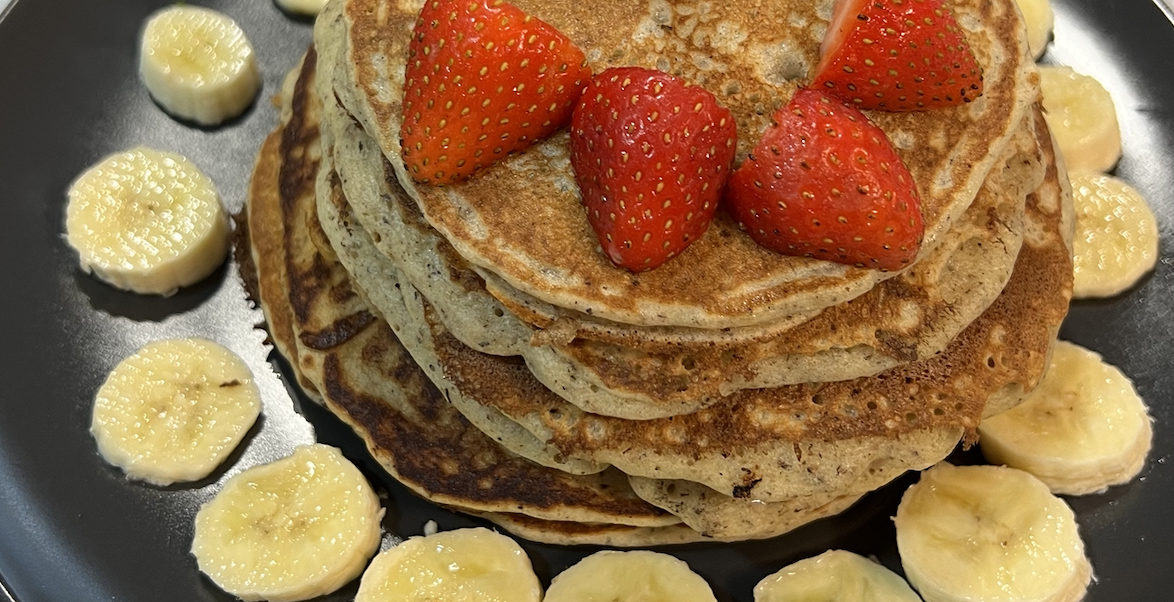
(901, 320)
(522, 221)
(712, 452)
(266, 282)
(570, 534)
(778, 444)
(733, 519)
(366, 378)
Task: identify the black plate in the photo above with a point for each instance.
(73, 529)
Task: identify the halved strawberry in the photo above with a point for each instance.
(896, 55)
(651, 155)
(825, 182)
(483, 80)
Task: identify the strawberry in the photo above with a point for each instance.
(651, 155)
(896, 55)
(824, 182)
(483, 80)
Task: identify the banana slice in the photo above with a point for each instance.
(1083, 429)
(1116, 240)
(637, 576)
(989, 534)
(834, 576)
(147, 221)
(198, 64)
(1082, 117)
(302, 7)
(1039, 19)
(294, 529)
(466, 565)
(174, 410)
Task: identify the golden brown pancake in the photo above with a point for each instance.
(487, 419)
(268, 273)
(521, 219)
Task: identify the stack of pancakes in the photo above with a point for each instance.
(497, 363)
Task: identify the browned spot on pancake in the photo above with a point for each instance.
(307, 285)
(264, 230)
(339, 331)
(244, 257)
(298, 137)
(311, 274)
(744, 491)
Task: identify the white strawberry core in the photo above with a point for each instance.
(843, 20)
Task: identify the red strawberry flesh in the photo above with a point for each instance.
(651, 155)
(825, 182)
(897, 55)
(483, 80)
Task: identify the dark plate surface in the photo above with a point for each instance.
(74, 529)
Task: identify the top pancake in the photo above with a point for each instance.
(522, 220)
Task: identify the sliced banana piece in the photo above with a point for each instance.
(466, 565)
(989, 534)
(636, 576)
(1116, 240)
(174, 410)
(1083, 429)
(1039, 19)
(834, 576)
(1082, 117)
(302, 7)
(198, 64)
(147, 221)
(297, 528)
